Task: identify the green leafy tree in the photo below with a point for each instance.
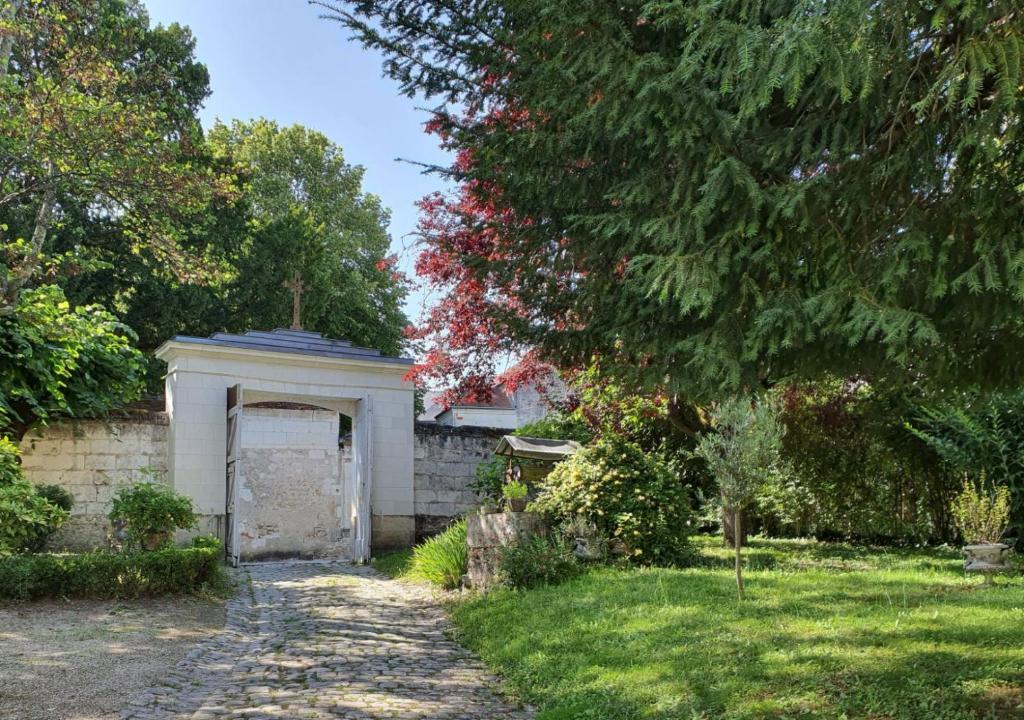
(742, 453)
(310, 215)
(57, 361)
(97, 116)
(728, 193)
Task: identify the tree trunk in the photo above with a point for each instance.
(738, 525)
(7, 15)
(729, 526)
(30, 263)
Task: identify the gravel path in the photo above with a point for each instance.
(327, 640)
(84, 659)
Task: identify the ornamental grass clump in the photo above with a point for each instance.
(443, 559)
(630, 495)
(981, 511)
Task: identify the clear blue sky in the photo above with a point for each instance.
(278, 59)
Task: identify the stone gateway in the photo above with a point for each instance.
(253, 440)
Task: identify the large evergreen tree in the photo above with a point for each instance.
(725, 193)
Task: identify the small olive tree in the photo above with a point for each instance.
(742, 451)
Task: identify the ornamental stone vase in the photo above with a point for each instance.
(986, 558)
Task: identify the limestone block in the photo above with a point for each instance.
(487, 534)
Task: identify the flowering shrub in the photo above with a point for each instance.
(628, 494)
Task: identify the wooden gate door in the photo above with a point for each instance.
(234, 474)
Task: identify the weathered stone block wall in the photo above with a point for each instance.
(92, 459)
(444, 464)
(292, 500)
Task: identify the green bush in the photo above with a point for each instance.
(57, 495)
(149, 512)
(537, 560)
(628, 494)
(26, 518)
(10, 465)
(979, 434)
(857, 474)
(443, 559)
(108, 575)
(490, 477)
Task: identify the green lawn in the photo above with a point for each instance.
(827, 631)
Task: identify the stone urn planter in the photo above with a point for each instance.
(517, 505)
(155, 541)
(986, 558)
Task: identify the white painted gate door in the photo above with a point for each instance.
(362, 465)
(234, 474)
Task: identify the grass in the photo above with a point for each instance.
(394, 564)
(828, 631)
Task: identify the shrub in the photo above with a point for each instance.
(979, 432)
(107, 575)
(57, 495)
(630, 495)
(149, 512)
(982, 513)
(10, 465)
(514, 490)
(443, 559)
(857, 474)
(490, 477)
(26, 518)
(537, 560)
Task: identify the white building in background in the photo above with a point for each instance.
(506, 410)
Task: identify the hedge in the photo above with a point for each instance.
(110, 575)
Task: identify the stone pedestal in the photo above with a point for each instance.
(486, 535)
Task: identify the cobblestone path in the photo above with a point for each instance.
(327, 640)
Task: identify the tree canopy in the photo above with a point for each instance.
(726, 194)
(310, 214)
(97, 116)
(57, 361)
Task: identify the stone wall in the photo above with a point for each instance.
(444, 464)
(293, 465)
(292, 499)
(92, 459)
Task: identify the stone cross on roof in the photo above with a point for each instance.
(297, 288)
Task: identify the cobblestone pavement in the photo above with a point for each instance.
(327, 640)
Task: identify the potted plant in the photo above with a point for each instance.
(982, 513)
(148, 513)
(514, 493)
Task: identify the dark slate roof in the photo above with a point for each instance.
(296, 342)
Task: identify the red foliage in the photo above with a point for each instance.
(470, 259)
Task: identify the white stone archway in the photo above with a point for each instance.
(209, 383)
